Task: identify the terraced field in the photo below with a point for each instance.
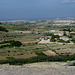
(63, 49)
(32, 49)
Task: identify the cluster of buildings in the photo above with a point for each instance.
(63, 22)
(44, 39)
(47, 39)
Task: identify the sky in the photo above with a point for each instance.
(36, 9)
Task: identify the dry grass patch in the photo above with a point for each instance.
(18, 56)
(2, 57)
(66, 51)
(49, 52)
(25, 56)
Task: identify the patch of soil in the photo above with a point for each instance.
(49, 52)
(19, 56)
(2, 57)
(25, 56)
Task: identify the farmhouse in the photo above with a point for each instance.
(65, 38)
(44, 39)
(60, 33)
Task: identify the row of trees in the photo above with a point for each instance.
(12, 44)
(56, 58)
(67, 29)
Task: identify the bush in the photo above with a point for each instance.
(16, 43)
(73, 40)
(0, 23)
(62, 41)
(3, 29)
(10, 58)
(2, 46)
(12, 44)
(48, 34)
(40, 54)
(53, 39)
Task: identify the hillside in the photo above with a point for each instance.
(36, 69)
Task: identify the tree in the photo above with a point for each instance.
(3, 29)
(16, 43)
(73, 40)
(0, 23)
(64, 33)
(53, 39)
(69, 29)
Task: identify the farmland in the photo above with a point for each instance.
(33, 49)
(30, 47)
(63, 49)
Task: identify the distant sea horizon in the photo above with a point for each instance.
(27, 19)
(35, 19)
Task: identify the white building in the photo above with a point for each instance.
(60, 33)
(45, 39)
(63, 21)
(65, 38)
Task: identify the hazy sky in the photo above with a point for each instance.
(36, 9)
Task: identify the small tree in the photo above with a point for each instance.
(53, 39)
(73, 40)
(64, 33)
(3, 29)
(0, 23)
(16, 43)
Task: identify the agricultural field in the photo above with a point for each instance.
(25, 51)
(30, 47)
(63, 48)
(28, 40)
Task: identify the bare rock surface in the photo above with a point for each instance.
(37, 69)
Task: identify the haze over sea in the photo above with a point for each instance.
(36, 9)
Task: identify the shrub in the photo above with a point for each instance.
(73, 40)
(16, 43)
(12, 44)
(53, 39)
(8, 51)
(10, 58)
(3, 29)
